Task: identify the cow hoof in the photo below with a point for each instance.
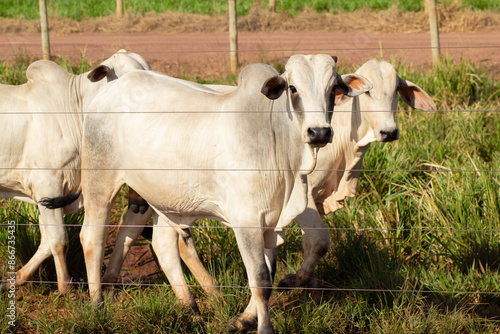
(292, 281)
(289, 281)
(109, 279)
(238, 325)
(196, 311)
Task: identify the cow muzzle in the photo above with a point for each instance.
(319, 136)
(389, 135)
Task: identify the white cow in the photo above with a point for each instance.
(337, 170)
(240, 158)
(357, 122)
(41, 127)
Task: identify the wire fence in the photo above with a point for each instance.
(440, 169)
(324, 288)
(290, 50)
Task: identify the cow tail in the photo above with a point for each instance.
(60, 202)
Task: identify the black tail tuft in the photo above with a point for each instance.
(59, 202)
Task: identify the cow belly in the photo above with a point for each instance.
(172, 193)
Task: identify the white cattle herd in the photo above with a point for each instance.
(276, 148)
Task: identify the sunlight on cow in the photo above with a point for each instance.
(241, 158)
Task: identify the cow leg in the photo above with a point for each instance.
(165, 245)
(128, 232)
(93, 237)
(315, 242)
(56, 240)
(271, 255)
(251, 245)
(42, 253)
(189, 255)
(98, 203)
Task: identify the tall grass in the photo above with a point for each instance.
(417, 251)
(80, 10)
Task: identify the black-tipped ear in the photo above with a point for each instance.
(274, 87)
(335, 59)
(99, 73)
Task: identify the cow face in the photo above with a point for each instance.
(378, 106)
(117, 65)
(310, 82)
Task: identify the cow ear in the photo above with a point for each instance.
(341, 98)
(99, 73)
(414, 96)
(274, 87)
(285, 60)
(353, 84)
(335, 59)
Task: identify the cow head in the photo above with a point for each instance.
(309, 82)
(377, 107)
(117, 65)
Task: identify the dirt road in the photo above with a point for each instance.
(206, 53)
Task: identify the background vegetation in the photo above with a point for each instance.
(80, 10)
(418, 249)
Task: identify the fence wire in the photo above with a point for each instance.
(209, 227)
(325, 289)
(314, 50)
(146, 112)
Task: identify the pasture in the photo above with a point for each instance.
(416, 251)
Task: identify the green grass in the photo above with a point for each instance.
(430, 256)
(80, 10)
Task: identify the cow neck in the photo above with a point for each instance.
(295, 198)
(353, 152)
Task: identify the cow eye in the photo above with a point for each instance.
(293, 90)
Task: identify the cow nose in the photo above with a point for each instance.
(390, 135)
(319, 136)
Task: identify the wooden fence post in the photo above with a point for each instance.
(233, 36)
(434, 30)
(272, 6)
(44, 25)
(119, 8)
